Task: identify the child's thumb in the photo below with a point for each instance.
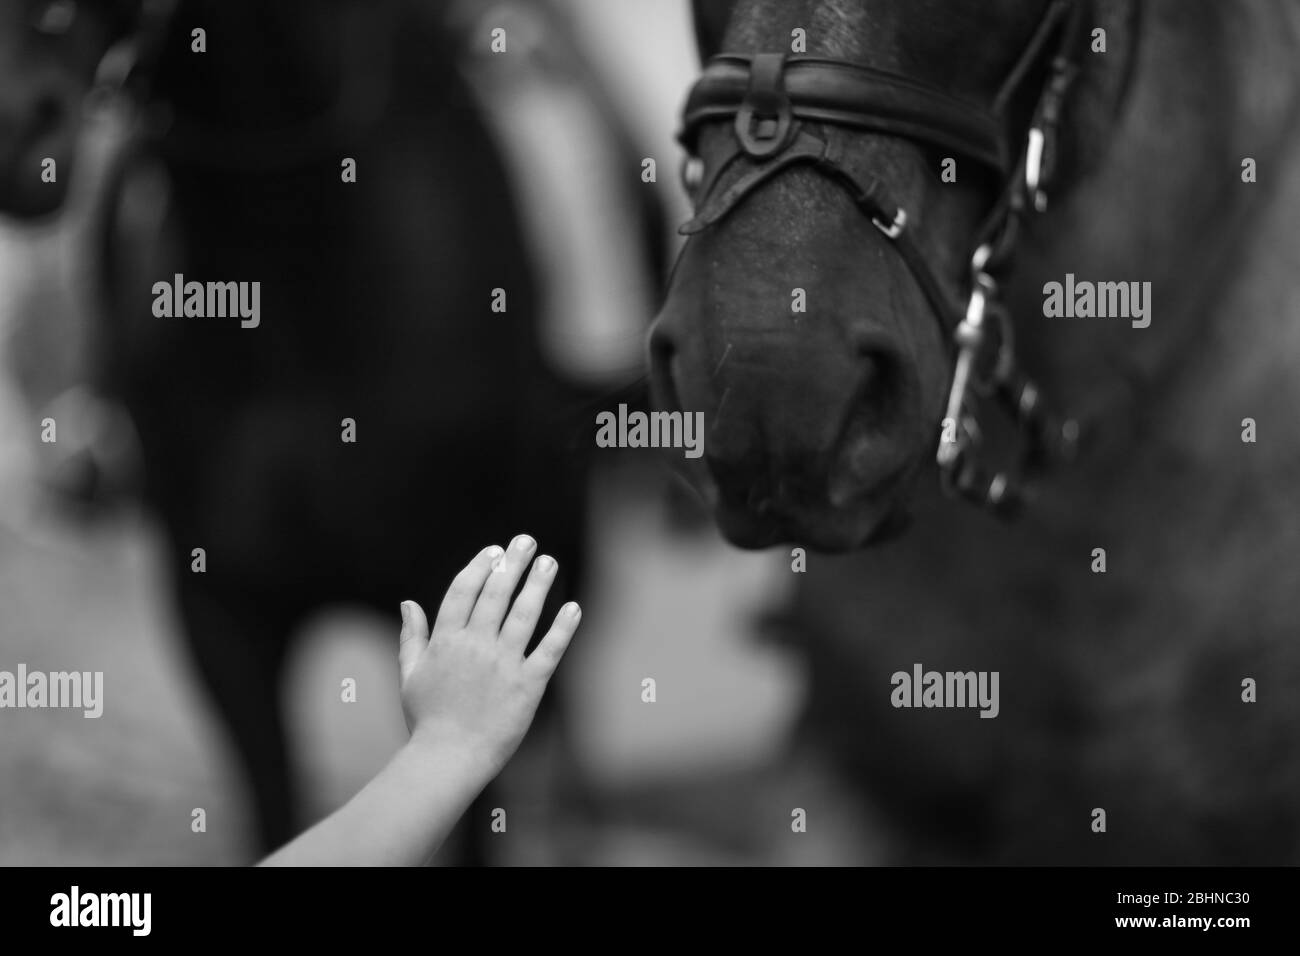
(414, 639)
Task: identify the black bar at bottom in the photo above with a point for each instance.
(432, 907)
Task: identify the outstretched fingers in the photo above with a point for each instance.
(546, 656)
(461, 597)
(493, 603)
(527, 609)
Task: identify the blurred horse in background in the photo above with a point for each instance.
(395, 408)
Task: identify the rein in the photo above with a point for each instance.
(771, 97)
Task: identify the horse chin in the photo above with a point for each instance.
(828, 531)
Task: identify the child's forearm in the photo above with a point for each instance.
(469, 694)
(398, 819)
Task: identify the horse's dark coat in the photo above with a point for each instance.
(1120, 690)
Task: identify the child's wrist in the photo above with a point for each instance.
(446, 758)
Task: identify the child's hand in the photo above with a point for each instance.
(468, 689)
(469, 695)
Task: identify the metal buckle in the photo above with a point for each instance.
(893, 229)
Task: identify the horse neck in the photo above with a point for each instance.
(1211, 84)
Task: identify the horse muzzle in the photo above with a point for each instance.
(802, 442)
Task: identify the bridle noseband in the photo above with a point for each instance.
(771, 97)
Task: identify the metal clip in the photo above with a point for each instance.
(1034, 168)
(969, 338)
(692, 174)
(893, 229)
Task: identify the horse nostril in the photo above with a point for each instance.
(882, 379)
(875, 442)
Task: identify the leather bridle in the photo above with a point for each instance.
(771, 98)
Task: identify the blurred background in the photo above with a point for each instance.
(708, 773)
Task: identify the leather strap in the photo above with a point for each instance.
(828, 154)
(779, 89)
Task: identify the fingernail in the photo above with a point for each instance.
(572, 610)
(545, 564)
(495, 551)
(523, 543)
(406, 612)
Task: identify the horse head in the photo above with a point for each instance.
(804, 329)
(51, 52)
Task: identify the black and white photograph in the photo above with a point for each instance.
(611, 434)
